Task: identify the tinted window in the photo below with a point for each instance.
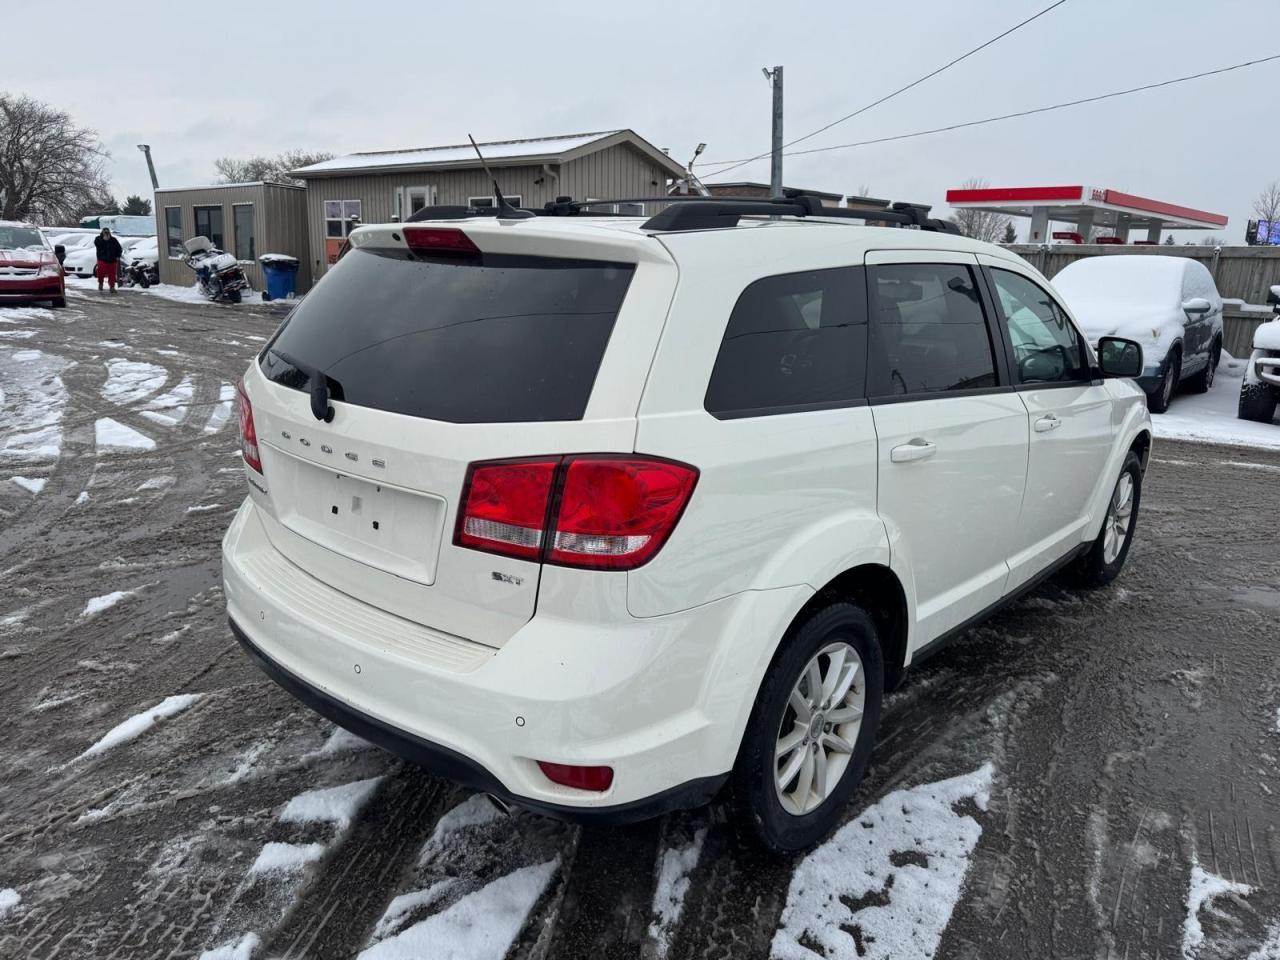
(1046, 346)
(484, 340)
(931, 333)
(793, 342)
(173, 231)
(242, 224)
(209, 224)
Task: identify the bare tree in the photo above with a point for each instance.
(276, 169)
(979, 224)
(1267, 204)
(49, 168)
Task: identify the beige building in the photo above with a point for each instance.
(388, 185)
(244, 219)
(753, 188)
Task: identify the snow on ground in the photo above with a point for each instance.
(341, 741)
(336, 805)
(886, 883)
(114, 435)
(14, 314)
(98, 604)
(162, 482)
(474, 811)
(241, 949)
(129, 381)
(140, 723)
(9, 898)
(400, 907)
(32, 484)
(673, 883)
(285, 857)
(1201, 890)
(1211, 417)
(17, 334)
(480, 926)
(171, 408)
(222, 412)
(1269, 949)
(34, 399)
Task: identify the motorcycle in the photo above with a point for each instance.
(140, 273)
(217, 272)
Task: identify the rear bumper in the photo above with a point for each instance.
(661, 700)
(38, 288)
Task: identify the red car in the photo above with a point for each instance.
(29, 267)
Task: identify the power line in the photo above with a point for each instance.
(890, 96)
(1020, 113)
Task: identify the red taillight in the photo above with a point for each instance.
(598, 779)
(248, 433)
(504, 507)
(610, 512)
(439, 240)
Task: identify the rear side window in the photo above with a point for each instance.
(794, 342)
(490, 339)
(931, 332)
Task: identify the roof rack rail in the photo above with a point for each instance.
(710, 213)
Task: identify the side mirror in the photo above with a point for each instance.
(60, 252)
(1196, 306)
(1273, 296)
(1118, 357)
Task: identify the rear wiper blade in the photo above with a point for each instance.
(317, 382)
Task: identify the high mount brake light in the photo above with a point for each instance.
(248, 432)
(439, 240)
(596, 512)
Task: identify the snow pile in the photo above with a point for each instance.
(1211, 417)
(113, 435)
(1201, 890)
(30, 484)
(340, 741)
(886, 883)
(480, 926)
(9, 898)
(191, 294)
(476, 810)
(34, 399)
(673, 883)
(401, 906)
(241, 949)
(140, 723)
(286, 857)
(336, 805)
(98, 604)
(129, 381)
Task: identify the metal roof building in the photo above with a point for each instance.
(1089, 208)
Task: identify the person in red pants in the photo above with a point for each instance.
(109, 251)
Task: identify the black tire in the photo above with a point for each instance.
(266, 297)
(58, 302)
(233, 296)
(1202, 381)
(1093, 569)
(1257, 402)
(754, 795)
(143, 282)
(1158, 400)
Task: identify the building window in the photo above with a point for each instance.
(242, 226)
(624, 209)
(173, 232)
(341, 217)
(209, 224)
(486, 203)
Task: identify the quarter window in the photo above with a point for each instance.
(793, 342)
(341, 217)
(173, 232)
(931, 332)
(242, 224)
(1046, 347)
(209, 224)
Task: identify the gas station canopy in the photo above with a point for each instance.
(1089, 208)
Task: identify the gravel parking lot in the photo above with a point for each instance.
(1087, 775)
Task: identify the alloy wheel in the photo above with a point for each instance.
(819, 728)
(1119, 517)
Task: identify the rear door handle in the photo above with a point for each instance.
(1047, 423)
(917, 449)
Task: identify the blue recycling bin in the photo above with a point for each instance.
(281, 273)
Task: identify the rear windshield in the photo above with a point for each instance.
(491, 339)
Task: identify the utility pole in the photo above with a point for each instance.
(151, 167)
(774, 77)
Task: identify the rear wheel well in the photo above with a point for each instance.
(876, 590)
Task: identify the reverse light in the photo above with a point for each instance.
(595, 511)
(443, 240)
(598, 779)
(248, 433)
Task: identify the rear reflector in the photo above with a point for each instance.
(598, 779)
(248, 433)
(610, 512)
(439, 240)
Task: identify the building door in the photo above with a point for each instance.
(409, 200)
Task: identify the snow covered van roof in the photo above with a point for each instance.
(499, 153)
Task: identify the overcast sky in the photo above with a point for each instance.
(198, 81)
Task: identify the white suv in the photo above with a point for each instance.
(601, 515)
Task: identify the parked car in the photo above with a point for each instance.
(1260, 389)
(82, 261)
(601, 516)
(1170, 305)
(29, 267)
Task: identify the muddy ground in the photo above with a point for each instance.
(1132, 735)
